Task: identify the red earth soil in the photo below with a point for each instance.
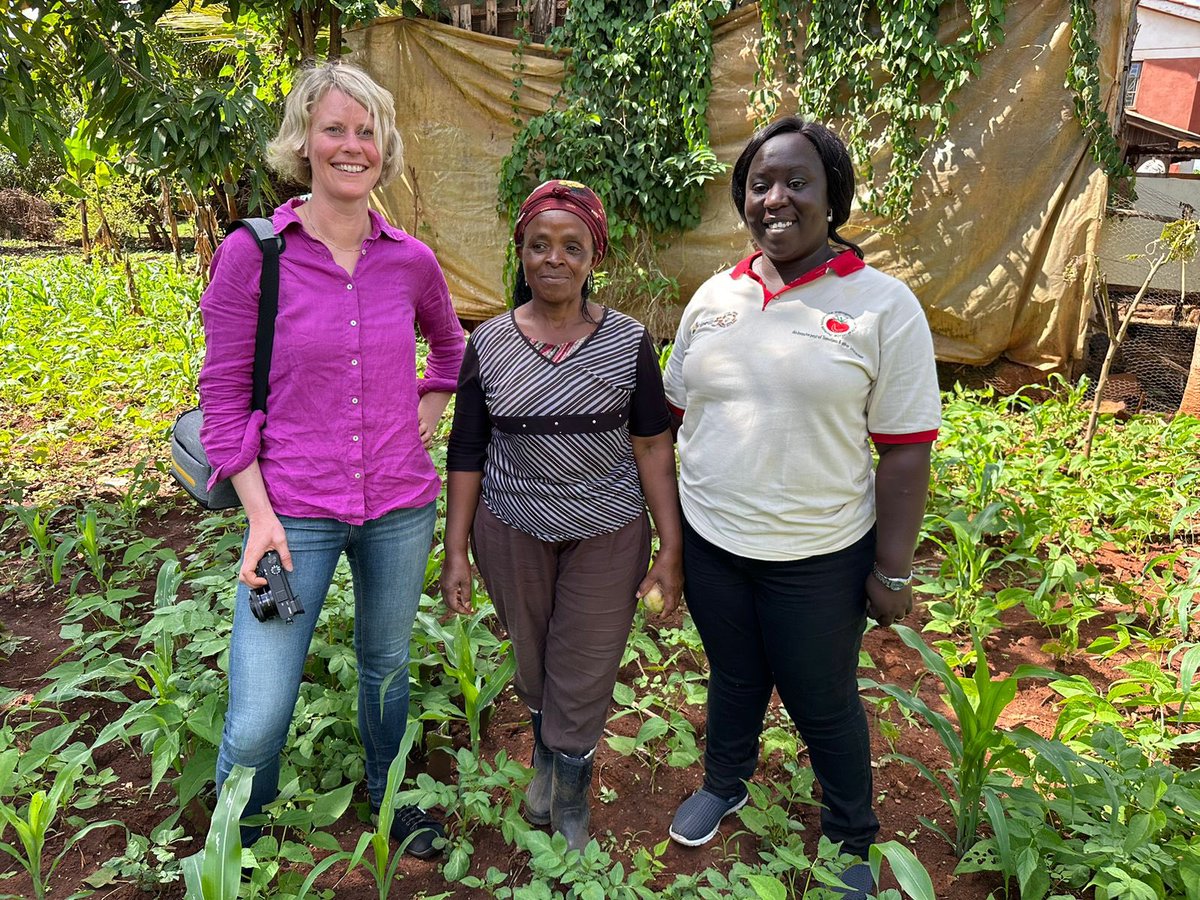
(645, 802)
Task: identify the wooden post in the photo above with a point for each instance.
(490, 17)
(541, 17)
(460, 16)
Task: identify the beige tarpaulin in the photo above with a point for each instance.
(1005, 218)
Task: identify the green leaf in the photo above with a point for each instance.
(913, 879)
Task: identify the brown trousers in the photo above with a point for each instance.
(568, 607)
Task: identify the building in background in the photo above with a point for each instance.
(1162, 88)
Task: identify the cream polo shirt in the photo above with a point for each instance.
(782, 396)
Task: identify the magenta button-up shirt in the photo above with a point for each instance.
(340, 438)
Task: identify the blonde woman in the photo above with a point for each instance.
(341, 464)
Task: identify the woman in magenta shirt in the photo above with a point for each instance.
(340, 462)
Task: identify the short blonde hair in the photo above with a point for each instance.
(285, 153)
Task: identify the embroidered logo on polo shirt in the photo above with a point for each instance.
(837, 324)
(724, 320)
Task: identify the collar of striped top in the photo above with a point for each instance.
(844, 263)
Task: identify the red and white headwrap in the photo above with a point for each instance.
(573, 197)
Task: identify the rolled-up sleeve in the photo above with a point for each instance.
(232, 433)
(440, 327)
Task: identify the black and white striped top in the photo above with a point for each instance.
(553, 439)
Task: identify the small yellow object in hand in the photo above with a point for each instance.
(653, 600)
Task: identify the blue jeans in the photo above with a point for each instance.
(795, 626)
(266, 659)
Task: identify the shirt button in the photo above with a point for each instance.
(354, 362)
(349, 287)
(353, 399)
(354, 322)
(358, 474)
(354, 438)
(364, 252)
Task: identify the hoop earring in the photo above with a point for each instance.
(588, 284)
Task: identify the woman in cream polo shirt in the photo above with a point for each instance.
(786, 370)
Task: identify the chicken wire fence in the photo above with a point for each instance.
(1150, 371)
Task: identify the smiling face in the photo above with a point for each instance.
(787, 203)
(341, 149)
(557, 256)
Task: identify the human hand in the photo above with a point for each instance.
(666, 574)
(429, 412)
(456, 582)
(266, 533)
(885, 606)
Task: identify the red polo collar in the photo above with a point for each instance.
(843, 264)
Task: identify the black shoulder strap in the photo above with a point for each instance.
(271, 245)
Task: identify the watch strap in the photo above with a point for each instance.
(892, 584)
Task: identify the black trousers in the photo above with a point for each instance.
(795, 626)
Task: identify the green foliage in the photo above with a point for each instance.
(135, 88)
(476, 664)
(87, 369)
(980, 753)
(31, 825)
(883, 73)
(215, 872)
(868, 71)
(1122, 825)
(642, 143)
(127, 207)
(1083, 78)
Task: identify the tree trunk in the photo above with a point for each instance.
(206, 237)
(86, 237)
(335, 32)
(168, 211)
(104, 235)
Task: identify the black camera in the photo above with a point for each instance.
(276, 598)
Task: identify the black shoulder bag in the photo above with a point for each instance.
(189, 462)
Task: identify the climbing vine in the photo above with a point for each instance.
(882, 72)
(1083, 78)
(630, 118)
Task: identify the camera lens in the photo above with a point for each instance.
(262, 604)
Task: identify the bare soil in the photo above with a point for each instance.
(645, 801)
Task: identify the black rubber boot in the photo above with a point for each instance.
(537, 794)
(570, 802)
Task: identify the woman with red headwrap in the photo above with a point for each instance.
(561, 439)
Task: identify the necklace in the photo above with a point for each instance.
(312, 225)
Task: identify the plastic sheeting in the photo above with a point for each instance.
(1005, 219)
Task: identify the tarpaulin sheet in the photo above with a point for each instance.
(1005, 218)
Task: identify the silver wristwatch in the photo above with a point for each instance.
(892, 584)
